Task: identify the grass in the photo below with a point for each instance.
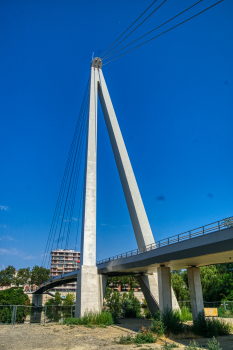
(172, 321)
(185, 314)
(90, 319)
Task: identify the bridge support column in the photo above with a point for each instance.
(149, 287)
(87, 294)
(165, 291)
(195, 289)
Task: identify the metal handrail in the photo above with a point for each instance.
(200, 231)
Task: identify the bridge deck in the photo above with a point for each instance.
(212, 248)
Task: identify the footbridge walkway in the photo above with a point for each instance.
(206, 245)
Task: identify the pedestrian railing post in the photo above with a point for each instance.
(45, 309)
(12, 316)
(218, 225)
(190, 234)
(203, 230)
(224, 305)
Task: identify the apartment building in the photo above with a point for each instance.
(64, 261)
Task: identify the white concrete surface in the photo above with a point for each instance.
(88, 237)
(164, 282)
(195, 289)
(87, 295)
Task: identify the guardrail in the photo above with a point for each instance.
(200, 231)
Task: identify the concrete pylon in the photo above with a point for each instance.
(90, 291)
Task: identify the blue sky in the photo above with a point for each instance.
(173, 99)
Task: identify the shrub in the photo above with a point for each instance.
(167, 346)
(158, 327)
(131, 305)
(148, 314)
(91, 318)
(210, 327)
(172, 322)
(145, 336)
(125, 340)
(213, 344)
(193, 345)
(185, 314)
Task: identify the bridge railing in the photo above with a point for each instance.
(200, 231)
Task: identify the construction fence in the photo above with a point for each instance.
(12, 314)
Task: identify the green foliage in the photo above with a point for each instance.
(148, 314)
(172, 322)
(113, 300)
(193, 345)
(13, 296)
(69, 299)
(124, 281)
(125, 340)
(228, 222)
(22, 277)
(213, 344)
(158, 327)
(39, 275)
(125, 304)
(144, 304)
(167, 346)
(179, 285)
(207, 327)
(131, 305)
(6, 276)
(185, 314)
(91, 318)
(144, 337)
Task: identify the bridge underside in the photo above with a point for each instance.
(210, 249)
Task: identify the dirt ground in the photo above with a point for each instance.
(60, 337)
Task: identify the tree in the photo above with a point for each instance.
(179, 285)
(39, 275)
(13, 296)
(6, 276)
(22, 277)
(69, 299)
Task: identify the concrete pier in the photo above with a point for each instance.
(164, 282)
(195, 289)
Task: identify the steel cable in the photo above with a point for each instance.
(129, 27)
(134, 30)
(165, 31)
(154, 29)
(63, 181)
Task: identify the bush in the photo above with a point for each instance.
(91, 318)
(145, 337)
(125, 340)
(185, 314)
(148, 314)
(210, 327)
(131, 305)
(158, 327)
(213, 344)
(172, 322)
(167, 346)
(13, 296)
(193, 345)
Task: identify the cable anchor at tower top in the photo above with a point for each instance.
(97, 63)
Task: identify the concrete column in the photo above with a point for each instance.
(149, 287)
(88, 281)
(141, 226)
(195, 290)
(164, 282)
